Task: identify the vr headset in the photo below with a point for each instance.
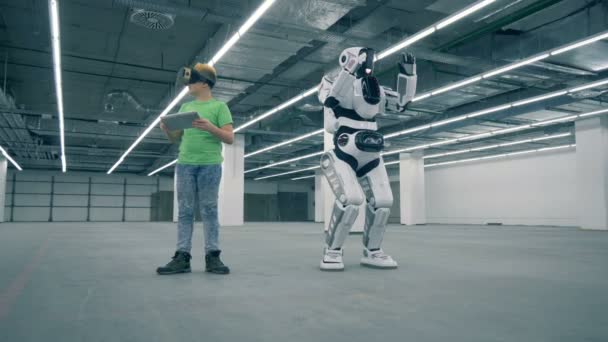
(187, 76)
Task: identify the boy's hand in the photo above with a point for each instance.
(203, 124)
(164, 127)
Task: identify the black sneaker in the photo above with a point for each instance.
(214, 264)
(180, 263)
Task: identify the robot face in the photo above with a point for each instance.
(358, 60)
(366, 62)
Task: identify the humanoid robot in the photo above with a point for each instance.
(354, 168)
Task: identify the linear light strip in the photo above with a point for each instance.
(383, 54)
(56, 45)
(302, 137)
(491, 147)
(288, 173)
(298, 178)
(277, 108)
(162, 168)
(286, 161)
(499, 108)
(512, 66)
(494, 156)
(7, 156)
(222, 51)
(502, 155)
(480, 135)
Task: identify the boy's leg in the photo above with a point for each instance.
(186, 194)
(186, 189)
(208, 188)
(208, 183)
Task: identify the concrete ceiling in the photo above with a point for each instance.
(118, 76)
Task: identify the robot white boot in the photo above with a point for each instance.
(375, 225)
(342, 219)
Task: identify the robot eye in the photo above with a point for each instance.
(343, 59)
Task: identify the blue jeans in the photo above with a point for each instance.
(200, 183)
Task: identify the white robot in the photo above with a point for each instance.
(354, 168)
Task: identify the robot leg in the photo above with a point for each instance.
(349, 196)
(379, 196)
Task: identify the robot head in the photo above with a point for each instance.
(358, 61)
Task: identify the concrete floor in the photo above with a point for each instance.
(96, 282)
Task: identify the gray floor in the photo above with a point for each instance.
(96, 282)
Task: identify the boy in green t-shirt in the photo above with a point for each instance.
(199, 171)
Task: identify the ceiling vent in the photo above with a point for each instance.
(152, 20)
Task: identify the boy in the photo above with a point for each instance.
(199, 171)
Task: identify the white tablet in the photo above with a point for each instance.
(179, 121)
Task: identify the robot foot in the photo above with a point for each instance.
(332, 260)
(377, 259)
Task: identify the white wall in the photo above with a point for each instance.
(69, 194)
(273, 188)
(538, 189)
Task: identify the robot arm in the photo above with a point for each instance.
(398, 99)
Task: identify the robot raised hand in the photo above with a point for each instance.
(354, 168)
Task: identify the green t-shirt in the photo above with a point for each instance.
(199, 147)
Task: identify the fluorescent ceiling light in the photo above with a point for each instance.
(162, 168)
(287, 142)
(255, 16)
(277, 108)
(465, 12)
(408, 131)
(552, 121)
(407, 42)
(509, 67)
(540, 98)
(488, 111)
(298, 178)
(8, 157)
(515, 65)
(421, 97)
(286, 161)
(495, 146)
(498, 108)
(597, 112)
(501, 155)
(455, 85)
(591, 85)
(583, 42)
(288, 173)
(244, 28)
(448, 121)
(56, 44)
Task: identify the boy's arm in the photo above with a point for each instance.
(224, 133)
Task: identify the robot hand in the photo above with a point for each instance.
(407, 65)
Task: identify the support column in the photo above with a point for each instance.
(3, 178)
(592, 172)
(319, 197)
(330, 198)
(232, 187)
(412, 192)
